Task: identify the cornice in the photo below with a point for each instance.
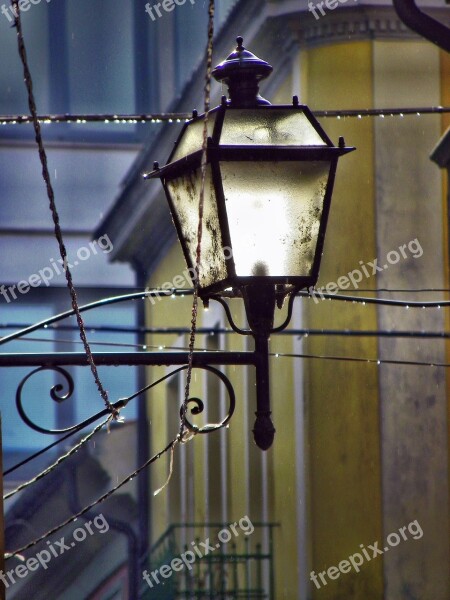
(355, 23)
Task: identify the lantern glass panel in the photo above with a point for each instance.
(192, 139)
(185, 194)
(274, 211)
(271, 127)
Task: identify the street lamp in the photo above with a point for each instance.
(269, 179)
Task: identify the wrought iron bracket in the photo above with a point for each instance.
(56, 361)
(260, 306)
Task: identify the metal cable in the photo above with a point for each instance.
(60, 460)
(207, 102)
(99, 500)
(51, 197)
(182, 116)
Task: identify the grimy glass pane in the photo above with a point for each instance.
(192, 139)
(274, 212)
(281, 127)
(185, 193)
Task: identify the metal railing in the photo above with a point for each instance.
(239, 569)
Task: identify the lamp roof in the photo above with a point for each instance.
(241, 63)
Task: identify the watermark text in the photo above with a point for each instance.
(199, 550)
(354, 561)
(55, 549)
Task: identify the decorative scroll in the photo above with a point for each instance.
(63, 391)
(199, 404)
(55, 393)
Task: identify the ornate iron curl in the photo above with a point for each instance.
(55, 394)
(200, 406)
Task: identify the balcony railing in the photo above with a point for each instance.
(239, 569)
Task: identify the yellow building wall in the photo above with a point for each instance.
(409, 205)
(164, 419)
(342, 404)
(282, 455)
(342, 397)
(177, 313)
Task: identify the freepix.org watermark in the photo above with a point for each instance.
(166, 5)
(45, 275)
(330, 4)
(24, 5)
(55, 549)
(184, 280)
(354, 561)
(368, 270)
(199, 550)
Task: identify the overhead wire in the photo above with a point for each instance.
(57, 462)
(181, 117)
(378, 361)
(102, 498)
(45, 323)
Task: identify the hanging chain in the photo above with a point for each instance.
(207, 101)
(51, 197)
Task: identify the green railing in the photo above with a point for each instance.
(212, 561)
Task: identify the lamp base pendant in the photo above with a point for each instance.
(263, 431)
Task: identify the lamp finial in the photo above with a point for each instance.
(242, 71)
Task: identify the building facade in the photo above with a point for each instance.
(361, 455)
(361, 448)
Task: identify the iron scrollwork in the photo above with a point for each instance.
(61, 392)
(199, 404)
(56, 393)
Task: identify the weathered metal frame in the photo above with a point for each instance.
(217, 153)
